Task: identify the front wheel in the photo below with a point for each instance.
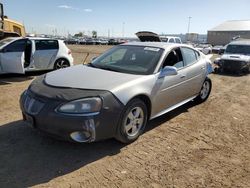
(61, 63)
(132, 122)
(205, 91)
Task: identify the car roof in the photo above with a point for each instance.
(32, 38)
(163, 45)
(241, 42)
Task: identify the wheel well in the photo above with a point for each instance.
(60, 59)
(147, 101)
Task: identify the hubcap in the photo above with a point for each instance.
(61, 64)
(205, 90)
(134, 121)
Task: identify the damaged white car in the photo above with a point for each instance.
(19, 55)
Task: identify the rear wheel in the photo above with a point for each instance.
(61, 63)
(205, 91)
(132, 122)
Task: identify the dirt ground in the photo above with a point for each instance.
(206, 145)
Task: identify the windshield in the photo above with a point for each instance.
(5, 41)
(129, 59)
(238, 49)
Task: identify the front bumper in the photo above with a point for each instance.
(233, 65)
(40, 112)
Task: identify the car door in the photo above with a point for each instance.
(45, 53)
(194, 70)
(12, 57)
(169, 89)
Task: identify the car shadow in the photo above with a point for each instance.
(6, 79)
(29, 158)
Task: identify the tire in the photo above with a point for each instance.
(132, 122)
(61, 63)
(205, 91)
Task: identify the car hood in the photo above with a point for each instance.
(236, 57)
(85, 77)
(147, 36)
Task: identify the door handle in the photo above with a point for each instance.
(183, 76)
(203, 67)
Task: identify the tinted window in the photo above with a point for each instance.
(17, 46)
(171, 40)
(189, 55)
(46, 44)
(174, 58)
(164, 39)
(177, 40)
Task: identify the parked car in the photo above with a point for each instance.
(90, 41)
(113, 42)
(147, 36)
(82, 41)
(236, 58)
(204, 48)
(71, 41)
(171, 39)
(117, 93)
(19, 55)
(217, 49)
(103, 42)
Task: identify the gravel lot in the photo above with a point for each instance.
(205, 145)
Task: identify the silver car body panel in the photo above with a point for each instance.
(164, 93)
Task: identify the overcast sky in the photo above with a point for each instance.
(124, 16)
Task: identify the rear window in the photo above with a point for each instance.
(46, 44)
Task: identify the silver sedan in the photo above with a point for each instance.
(118, 92)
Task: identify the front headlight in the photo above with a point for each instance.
(82, 106)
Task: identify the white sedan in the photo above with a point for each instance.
(20, 55)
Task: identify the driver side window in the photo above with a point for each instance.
(174, 59)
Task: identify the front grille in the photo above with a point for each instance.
(231, 65)
(32, 106)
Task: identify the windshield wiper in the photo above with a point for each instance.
(109, 69)
(92, 65)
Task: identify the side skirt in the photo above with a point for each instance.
(173, 107)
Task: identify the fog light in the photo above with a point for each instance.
(80, 136)
(88, 133)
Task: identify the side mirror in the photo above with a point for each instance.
(168, 71)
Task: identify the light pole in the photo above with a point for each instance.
(123, 24)
(187, 35)
(189, 19)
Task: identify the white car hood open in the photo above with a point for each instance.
(85, 77)
(236, 57)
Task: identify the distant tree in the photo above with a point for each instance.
(80, 34)
(94, 34)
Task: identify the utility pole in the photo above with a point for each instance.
(187, 35)
(189, 19)
(123, 23)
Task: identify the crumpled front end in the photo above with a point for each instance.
(39, 106)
